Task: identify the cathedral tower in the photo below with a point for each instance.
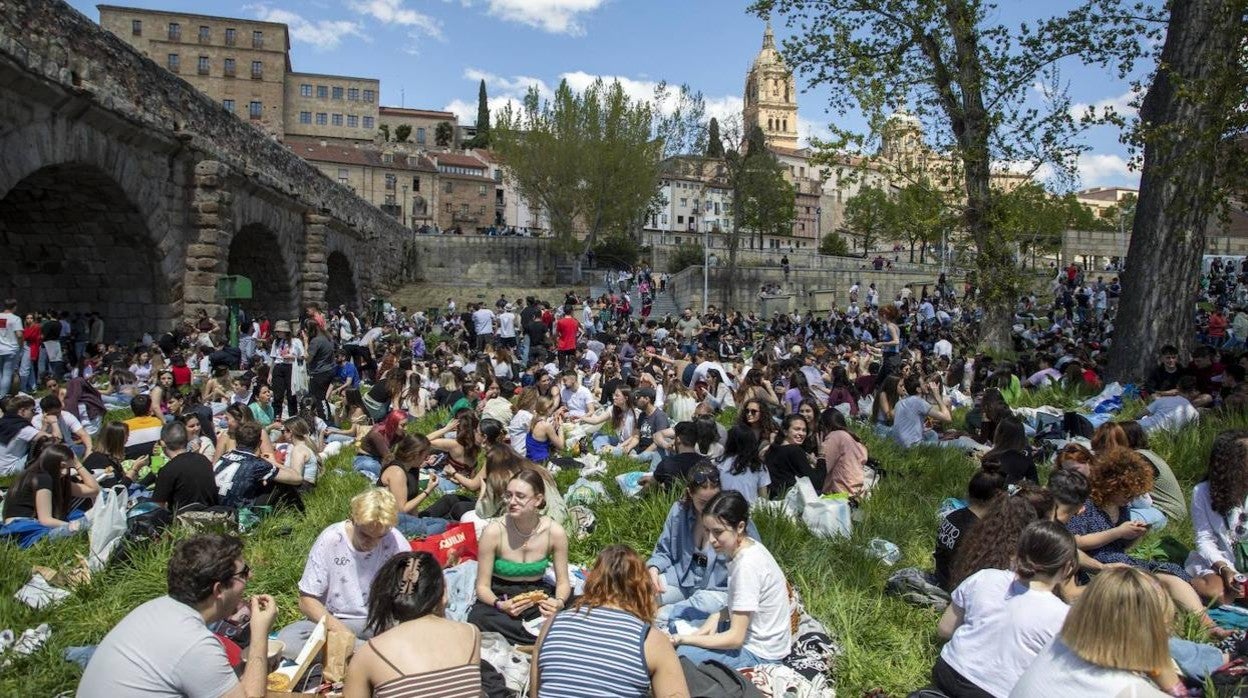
(770, 96)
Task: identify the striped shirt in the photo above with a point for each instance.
(594, 652)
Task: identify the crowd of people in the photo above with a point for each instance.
(1035, 574)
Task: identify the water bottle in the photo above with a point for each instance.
(158, 459)
(887, 553)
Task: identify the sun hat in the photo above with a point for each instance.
(281, 326)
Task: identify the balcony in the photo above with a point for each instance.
(499, 200)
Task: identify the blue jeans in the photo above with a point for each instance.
(691, 606)
(601, 440)
(1149, 515)
(421, 527)
(740, 658)
(524, 350)
(367, 465)
(339, 438)
(651, 457)
(27, 372)
(8, 366)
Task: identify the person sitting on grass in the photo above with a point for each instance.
(993, 541)
(513, 555)
(362, 544)
(187, 478)
(1219, 503)
(1167, 495)
(787, 459)
(1114, 642)
(844, 453)
(245, 479)
(40, 504)
(415, 650)
(376, 444)
(581, 650)
(1011, 453)
(740, 467)
(144, 427)
(460, 463)
(1105, 530)
(164, 647)
(1006, 614)
(911, 411)
(986, 485)
(1172, 412)
(401, 476)
(753, 626)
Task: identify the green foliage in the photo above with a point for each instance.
(763, 198)
(617, 251)
(444, 135)
(871, 214)
(402, 132)
(921, 214)
(589, 160)
(384, 130)
(833, 244)
(714, 146)
(689, 254)
(482, 139)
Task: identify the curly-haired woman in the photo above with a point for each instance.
(993, 541)
(1220, 517)
(1104, 529)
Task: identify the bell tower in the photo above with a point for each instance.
(771, 96)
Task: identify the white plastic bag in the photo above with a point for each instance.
(825, 517)
(108, 526)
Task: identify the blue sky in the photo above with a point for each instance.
(431, 53)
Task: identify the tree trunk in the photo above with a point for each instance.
(1182, 112)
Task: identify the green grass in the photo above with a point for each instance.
(887, 644)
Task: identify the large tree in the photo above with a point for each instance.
(589, 160)
(714, 145)
(972, 81)
(1193, 106)
(870, 214)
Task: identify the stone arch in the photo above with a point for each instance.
(340, 286)
(74, 240)
(255, 252)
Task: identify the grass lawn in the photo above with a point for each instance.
(888, 644)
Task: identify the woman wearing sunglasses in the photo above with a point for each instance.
(689, 578)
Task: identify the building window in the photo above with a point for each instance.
(680, 220)
(174, 63)
(305, 117)
(391, 182)
(369, 95)
(448, 187)
(420, 135)
(305, 90)
(498, 175)
(480, 190)
(353, 94)
(257, 70)
(390, 200)
(353, 121)
(322, 92)
(463, 208)
(203, 65)
(231, 35)
(228, 67)
(136, 27)
(256, 110)
(336, 119)
(257, 39)
(387, 158)
(448, 207)
(481, 210)
(415, 183)
(368, 122)
(337, 93)
(205, 34)
(684, 203)
(343, 175)
(228, 104)
(322, 118)
(175, 31)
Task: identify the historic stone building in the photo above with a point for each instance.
(771, 96)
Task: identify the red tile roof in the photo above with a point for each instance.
(456, 160)
(314, 150)
(427, 113)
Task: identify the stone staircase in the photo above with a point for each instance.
(664, 303)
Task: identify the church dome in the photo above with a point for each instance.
(768, 56)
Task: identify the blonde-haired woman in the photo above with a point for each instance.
(362, 544)
(1115, 642)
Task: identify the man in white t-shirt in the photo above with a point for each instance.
(1170, 412)
(10, 345)
(340, 569)
(911, 410)
(163, 648)
(576, 397)
(507, 326)
(483, 326)
(943, 347)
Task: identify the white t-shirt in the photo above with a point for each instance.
(943, 347)
(756, 585)
(747, 483)
(517, 428)
(507, 324)
(339, 575)
(577, 400)
(1058, 671)
(908, 419)
(483, 321)
(372, 335)
(10, 333)
(1004, 626)
(162, 648)
(13, 454)
(1169, 413)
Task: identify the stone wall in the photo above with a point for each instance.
(805, 288)
(480, 260)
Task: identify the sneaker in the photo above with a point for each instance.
(6, 639)
(32, 639)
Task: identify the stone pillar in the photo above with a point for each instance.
(211, 229)
(315, 267)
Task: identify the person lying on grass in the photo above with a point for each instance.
(40, 504)
(360, 545)
(753, 627)
(164, 647)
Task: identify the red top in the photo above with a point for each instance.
(565, 331)
(32, 335)
(181, 375)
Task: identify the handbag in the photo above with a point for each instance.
(457, 543)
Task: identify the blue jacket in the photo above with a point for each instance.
(676, 557)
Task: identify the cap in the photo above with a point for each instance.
(647, 393)
(281, 326)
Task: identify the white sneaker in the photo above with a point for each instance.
(6, 639)
(32, 639)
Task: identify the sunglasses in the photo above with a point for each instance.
(243, 574)
(701, 477)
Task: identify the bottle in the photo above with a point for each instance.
(158, 459)
(887, 553)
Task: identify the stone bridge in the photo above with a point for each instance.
(126, 191)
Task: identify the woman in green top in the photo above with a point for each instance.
(514, 554)
(262, 408)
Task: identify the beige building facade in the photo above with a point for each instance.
(331, 106)
(423, 122)
(400, 182)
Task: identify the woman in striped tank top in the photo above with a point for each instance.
(415, 651)
(604, 645)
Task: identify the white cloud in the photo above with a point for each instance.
(514, 86)
(806, 129)
(323, 34)
(1101, 169)
(395, 12)
(467, 110)
(554, 16)
(1122, 105)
